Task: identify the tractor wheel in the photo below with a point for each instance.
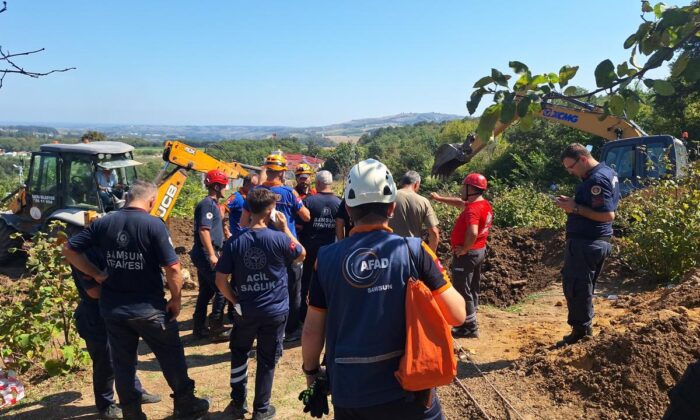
(7, 242)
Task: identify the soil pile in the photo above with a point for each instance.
(181, 233)
(626, 373)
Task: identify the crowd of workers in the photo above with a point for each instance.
(298, 263)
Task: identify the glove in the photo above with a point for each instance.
(315, 397)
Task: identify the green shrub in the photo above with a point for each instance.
(523, 206)
(37, 328)
(192, 193)
(661, 226)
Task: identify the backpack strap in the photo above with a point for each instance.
(414, 271)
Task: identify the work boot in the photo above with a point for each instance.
(147, 398)
(577, 334)
(466, 332)
(218, 332)
(112, 412)
(269, 414)
(200, 330)
(133, 411)
(236, 410)
(189, 407)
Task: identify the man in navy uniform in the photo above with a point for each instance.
(135, 246)
(288, 203)
(590, 214)
(357, 304)
(257, 261)
(91, 328)
(319, 231)
(208, 240)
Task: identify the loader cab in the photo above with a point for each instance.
(64, 182)
(638, 160)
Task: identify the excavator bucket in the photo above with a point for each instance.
(448, 157)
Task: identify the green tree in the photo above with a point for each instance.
(664, 31)
(93, 136)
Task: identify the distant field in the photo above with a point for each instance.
(343, 139)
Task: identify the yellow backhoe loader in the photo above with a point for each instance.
(65, 183)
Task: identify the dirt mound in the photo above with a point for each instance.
(181, 232)
(626, 373)
(685, 294)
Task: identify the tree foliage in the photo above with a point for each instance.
(93, 136)
(663, 33)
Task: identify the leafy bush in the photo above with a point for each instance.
(192, 193)
(661, 226)
(523, 206)
(37, 328)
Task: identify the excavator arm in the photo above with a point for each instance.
(179, 160)
(579, 115)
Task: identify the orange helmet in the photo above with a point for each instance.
(276, 163)
(215, 176)
(303, 169)
(476, 181)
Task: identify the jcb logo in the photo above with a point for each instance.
(167, 201)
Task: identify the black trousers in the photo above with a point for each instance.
(466, 278)
(307, 273)
(294, 287)
(583, 262)
(684, 396)
(269, 332)
(162, 336)
(206, 277)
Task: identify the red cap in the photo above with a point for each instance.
(476, 181)
(215, 176)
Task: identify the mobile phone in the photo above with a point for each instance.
(273, 216)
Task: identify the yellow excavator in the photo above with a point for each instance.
(635, 155)
(66, 182)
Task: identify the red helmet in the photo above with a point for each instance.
(215, 176)
(476, 181)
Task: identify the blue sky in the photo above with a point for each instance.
(288, 62)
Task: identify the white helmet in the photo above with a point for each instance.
(369, 181)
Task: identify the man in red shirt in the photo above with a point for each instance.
(468, 242)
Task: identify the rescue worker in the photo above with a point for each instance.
(357, 305)
(91, 327)
(303, 176)
(236, 203)
(319, 231)
(684, 403)
(468, 242)
(289, 204)
(413, 212)
(135, 245)
(257, 261)
(590, 214)
(208, 240)
(343, 223)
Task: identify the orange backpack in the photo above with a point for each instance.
(429, 359)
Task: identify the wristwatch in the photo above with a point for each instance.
(309, 372)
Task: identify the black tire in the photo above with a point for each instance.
(6, 242)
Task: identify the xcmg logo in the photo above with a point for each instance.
(563, 116)
(167, 200)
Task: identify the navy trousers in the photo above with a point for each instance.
(583, 262)
(269, 332)
(162, 336)
(91, 328)
(404, 409)
(206, 277)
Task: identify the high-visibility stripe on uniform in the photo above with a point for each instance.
(371, 359)
(236, 375)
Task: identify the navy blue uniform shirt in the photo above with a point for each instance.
(134, 245)
(320, 230)
(207, 216)
(600, 191)
(288, 202)
(257, 259)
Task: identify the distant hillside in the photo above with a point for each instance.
(157, 133)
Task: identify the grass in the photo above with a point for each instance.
(518, 307)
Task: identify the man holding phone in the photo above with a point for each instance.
(590, 214)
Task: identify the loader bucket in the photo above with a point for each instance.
(448, 157)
